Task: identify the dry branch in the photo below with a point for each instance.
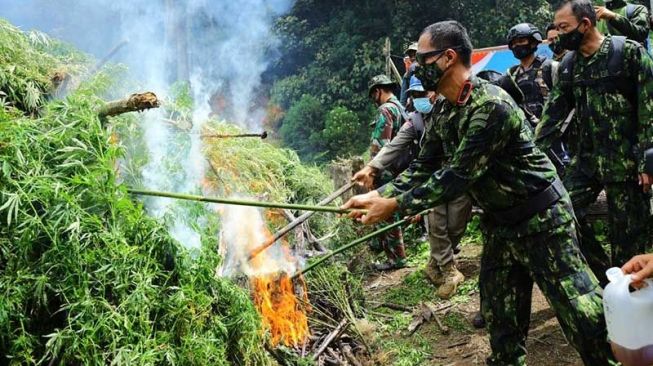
(331, 337)
(134, 103)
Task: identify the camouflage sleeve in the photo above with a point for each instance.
(382, 133)
(555, 112)
(395, 148)
(490, 128)
(641, 64)
(636, 27)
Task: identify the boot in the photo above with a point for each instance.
(390, 265)
(433, 273)
(452, 278)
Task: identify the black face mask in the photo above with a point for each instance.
(555, 47)
(571, 40)
(523, 51)
(430, 75)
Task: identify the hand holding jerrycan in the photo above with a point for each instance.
(629, 317)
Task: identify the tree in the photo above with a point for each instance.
(301, 128)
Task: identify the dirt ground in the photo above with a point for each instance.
(464, 345)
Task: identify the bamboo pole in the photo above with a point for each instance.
(238, 202)
(262, 135)
(351, 245)
(298, 221)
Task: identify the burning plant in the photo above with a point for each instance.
(283, 312)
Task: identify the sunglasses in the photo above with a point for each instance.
(422, 57)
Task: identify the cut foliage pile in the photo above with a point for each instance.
(85, 276)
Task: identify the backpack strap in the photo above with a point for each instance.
(630, 9)
(625, 86)
(547, 73)
(402, 111)
(418, 124)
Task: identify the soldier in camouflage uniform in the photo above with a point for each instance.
(386, 125)
(619, 18)
(527, 212)
(609, 81)
(554, 45)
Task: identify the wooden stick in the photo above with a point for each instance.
(298, 221)
(349, 355)
(331, 337)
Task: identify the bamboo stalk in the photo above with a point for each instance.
(350, 245)
(238, 202)
(298, 221)
(262, 135)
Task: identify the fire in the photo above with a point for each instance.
(283, 314)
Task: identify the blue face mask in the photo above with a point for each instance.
(422, 105)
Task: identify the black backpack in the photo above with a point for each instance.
(615, 81)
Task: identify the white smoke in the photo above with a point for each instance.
(220, 46)
(243, 230)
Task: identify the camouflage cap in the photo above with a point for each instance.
(412, 47)
(379, 80)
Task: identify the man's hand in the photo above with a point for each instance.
(379, 208)
(645, 180)
(640, 267)
(365, 177)
(604, 13)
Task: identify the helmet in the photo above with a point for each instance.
(415, 85)
(412, 47)
(379, 80)
(490, 75)
(524, 30)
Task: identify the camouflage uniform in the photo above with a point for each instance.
(611, 137)
(495, 160)
(635, 27)
(386, 126)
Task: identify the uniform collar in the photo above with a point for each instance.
(602, 51)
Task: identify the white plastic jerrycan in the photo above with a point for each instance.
(629, 317)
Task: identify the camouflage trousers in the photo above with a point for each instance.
(628, 221)
(553, 260)
(391, 242)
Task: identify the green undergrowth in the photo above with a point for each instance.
(86, 277)
(30, 65)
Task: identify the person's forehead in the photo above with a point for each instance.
(564, 14)
(521, 40)
(424, 44)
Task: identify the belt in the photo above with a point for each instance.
(532, 206)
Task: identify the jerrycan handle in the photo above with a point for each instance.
(623, 281)
(619, 280)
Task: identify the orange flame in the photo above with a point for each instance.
(284, 315)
